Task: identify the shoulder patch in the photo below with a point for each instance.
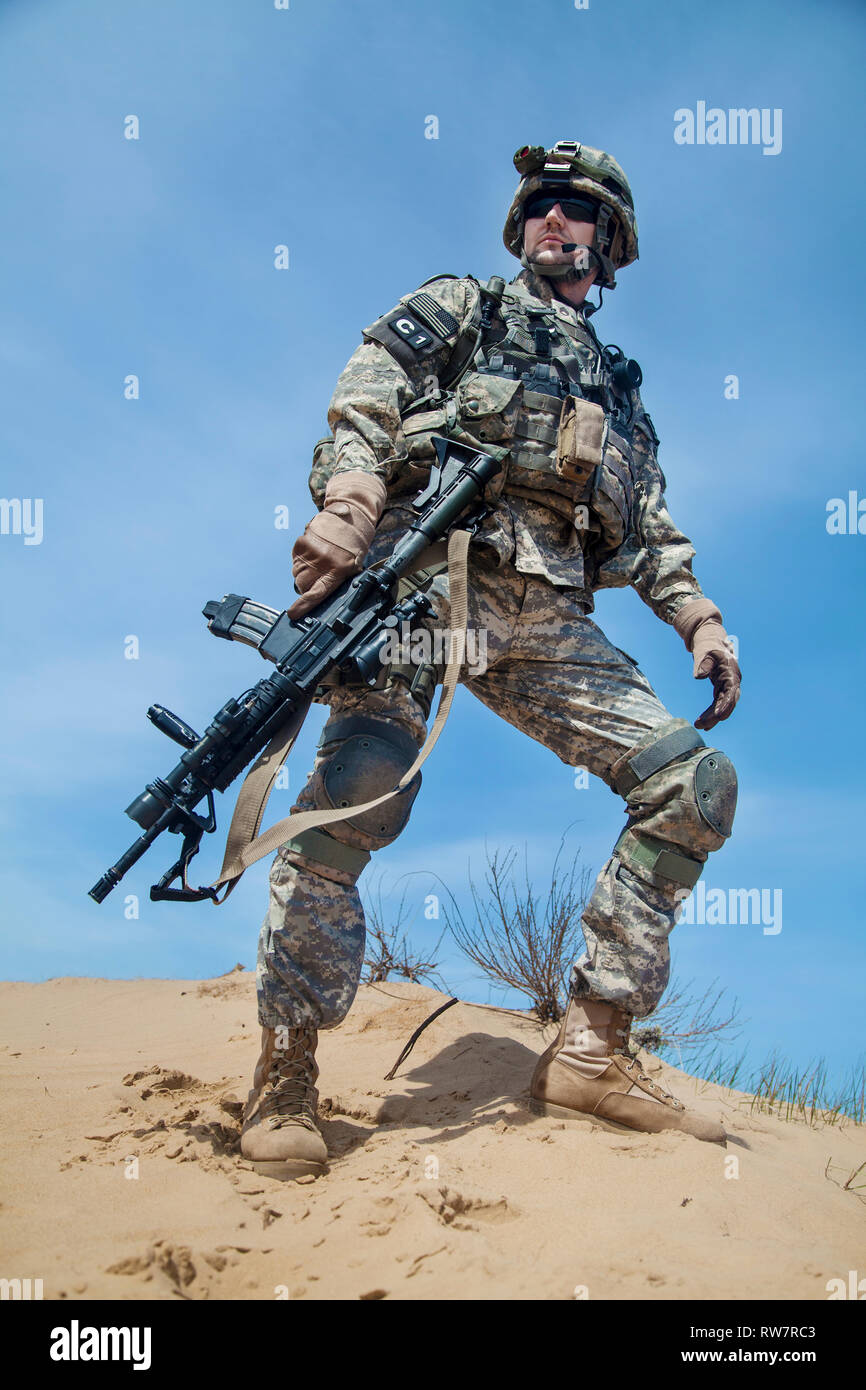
(417, 328)
(405, 335)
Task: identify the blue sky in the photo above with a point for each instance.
(154, 256)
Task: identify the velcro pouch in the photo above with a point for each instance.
(579, 440)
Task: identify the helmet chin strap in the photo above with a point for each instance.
(551, 272)
(568, 275)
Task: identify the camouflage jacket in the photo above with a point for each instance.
(430, 367)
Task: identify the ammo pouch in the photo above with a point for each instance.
(482, 412)
(488, 407)
(579, 441)
(612, 491)
(597, 460)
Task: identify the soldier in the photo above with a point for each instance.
(518, 371)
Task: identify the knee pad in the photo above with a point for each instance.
(681, 797)
(372, 758)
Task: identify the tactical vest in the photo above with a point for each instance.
(534, 387)
(510, 400)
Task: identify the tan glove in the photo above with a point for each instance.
(699, 623)
(335, 542)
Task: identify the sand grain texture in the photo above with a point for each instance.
(442, 1184)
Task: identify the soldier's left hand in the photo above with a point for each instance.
(699, 623)
(721, 666)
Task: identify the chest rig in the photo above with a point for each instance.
(528, 360)
(519, 370)
(552, 351)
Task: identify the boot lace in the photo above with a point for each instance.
(292, 1096)
(632, 1063)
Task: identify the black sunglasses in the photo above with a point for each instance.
(575, 209)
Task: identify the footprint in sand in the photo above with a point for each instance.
(463, 1212)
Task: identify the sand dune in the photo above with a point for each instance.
(121, 1103)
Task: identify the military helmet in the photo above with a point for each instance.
(577, 168)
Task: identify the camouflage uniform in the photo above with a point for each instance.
(551, 672)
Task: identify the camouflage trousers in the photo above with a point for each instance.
(552, 673)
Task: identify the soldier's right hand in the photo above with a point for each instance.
(335, 542)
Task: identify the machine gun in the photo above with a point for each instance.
(345, 632)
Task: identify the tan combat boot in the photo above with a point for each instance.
(279, 1134)
(587, 1074)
